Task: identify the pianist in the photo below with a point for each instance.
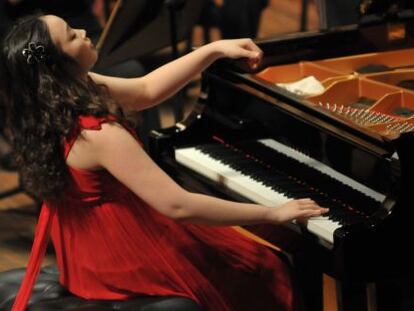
(120, 226)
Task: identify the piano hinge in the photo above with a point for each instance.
(180, 127)
(156, 134)
(396, 32)
(203, 95)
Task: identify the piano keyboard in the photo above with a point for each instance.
(250, 177)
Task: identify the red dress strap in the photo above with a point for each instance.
(94, 123)
(86, 123)
(36, 257)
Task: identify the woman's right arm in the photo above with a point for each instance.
(115, 150)
(153, 88)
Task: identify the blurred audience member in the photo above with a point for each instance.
(234, 18)
(78, 13)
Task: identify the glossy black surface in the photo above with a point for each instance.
(236, 108)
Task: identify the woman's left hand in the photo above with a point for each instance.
(240, 48)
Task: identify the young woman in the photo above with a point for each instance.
(120, 226)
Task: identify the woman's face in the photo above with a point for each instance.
(72, 42)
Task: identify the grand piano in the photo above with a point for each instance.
(349, 146)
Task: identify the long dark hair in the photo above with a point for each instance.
(43, 100)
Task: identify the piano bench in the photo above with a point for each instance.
(49, 295)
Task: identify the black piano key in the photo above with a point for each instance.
(291, 187)
(306, 173)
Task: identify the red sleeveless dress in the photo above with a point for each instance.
(109, 244)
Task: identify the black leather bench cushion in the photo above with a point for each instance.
(49, 295)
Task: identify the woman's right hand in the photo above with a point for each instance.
(295, 209)
(239, 48)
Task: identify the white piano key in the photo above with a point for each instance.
(224, 174)
(246, 186)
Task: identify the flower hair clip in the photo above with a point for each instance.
(35, 52)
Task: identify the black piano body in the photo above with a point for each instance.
(242, 111)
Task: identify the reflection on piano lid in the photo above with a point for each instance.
(262, 172)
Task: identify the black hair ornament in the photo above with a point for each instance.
(35, 52)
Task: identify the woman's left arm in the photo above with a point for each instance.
(143, 92)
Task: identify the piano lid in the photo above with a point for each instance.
(139, 27)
